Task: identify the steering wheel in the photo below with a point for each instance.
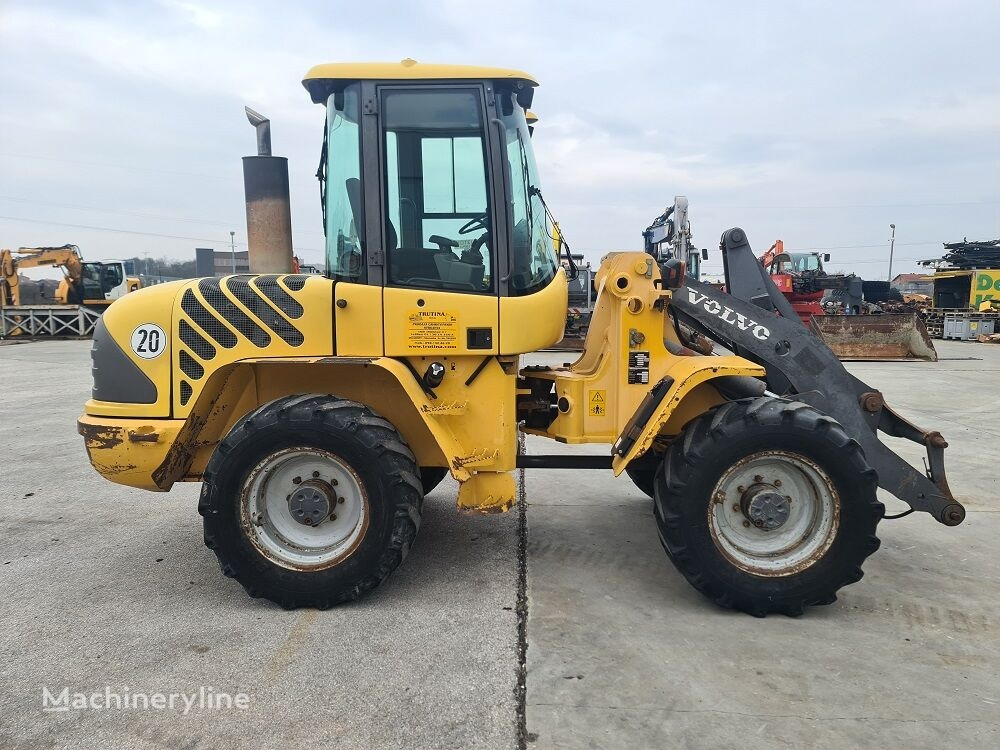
(349, 263)
(479, 222)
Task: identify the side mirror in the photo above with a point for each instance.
(704, 253)
(826, 257)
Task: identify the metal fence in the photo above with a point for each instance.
(48, 320)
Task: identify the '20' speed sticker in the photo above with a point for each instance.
(148, 341)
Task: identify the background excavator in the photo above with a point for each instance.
(83, 282)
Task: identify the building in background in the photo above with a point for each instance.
(913, 283)
(220, 262)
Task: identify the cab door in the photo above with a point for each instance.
(113, 279)
(439, 221)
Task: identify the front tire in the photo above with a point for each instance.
(643, 469)
(311, 501)
(767, 506)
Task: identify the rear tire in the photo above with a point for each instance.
(728, 525)
(311, 501)
(431, 477)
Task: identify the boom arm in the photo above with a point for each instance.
(778, 248)
(67, 257)
(755, 321)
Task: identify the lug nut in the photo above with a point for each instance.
(333, 516)
(777, 482)
(340, 501)
(315, 475)
(741, 489)
(758, 479)
(297, 480)
(746, 524)
(736, 507)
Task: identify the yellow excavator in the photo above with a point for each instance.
(317, 411)
(83, 282)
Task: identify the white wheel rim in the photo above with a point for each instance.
(786, 490)
(295, 485)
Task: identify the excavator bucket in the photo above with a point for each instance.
(875, 338)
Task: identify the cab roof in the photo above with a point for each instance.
(322, 79)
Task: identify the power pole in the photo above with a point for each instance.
(232, 249)
(892, 246)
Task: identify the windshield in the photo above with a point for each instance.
(340, 182)
(805, 262)
(532, 252)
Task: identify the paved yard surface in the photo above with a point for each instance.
(106, 586)
(623, 653)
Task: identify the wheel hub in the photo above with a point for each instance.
(765, 508)
(774, 513)
(311, 502)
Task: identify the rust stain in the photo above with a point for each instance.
(145, 434)
(477, 458)
(112, 469)
(181, 452)
(99, 437)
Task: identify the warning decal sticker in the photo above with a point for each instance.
(432, 329)
(597, 403)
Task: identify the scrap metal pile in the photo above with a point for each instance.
(965, 254)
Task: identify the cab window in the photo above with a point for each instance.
(340, 175)
(532, 250)
(437, 223)
(112, 276)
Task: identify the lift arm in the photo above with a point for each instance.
(755, 321)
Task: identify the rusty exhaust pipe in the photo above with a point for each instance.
(269, 213)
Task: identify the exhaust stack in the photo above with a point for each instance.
(269, 214)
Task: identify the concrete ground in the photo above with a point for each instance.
(102, 585)
(106, 586)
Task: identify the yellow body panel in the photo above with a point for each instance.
(410, 70)
(427, 321)
(359, 320)
(314, 325)
(488, 492)
(535, 321)
(128, 451)
(467, 428)
(153, 304)
(468, 423)
(688, 373)
(630, 326)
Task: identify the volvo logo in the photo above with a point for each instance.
(728, 315)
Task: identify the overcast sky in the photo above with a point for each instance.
(122, 128)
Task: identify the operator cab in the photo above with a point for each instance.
(799, 263)
(428, 179)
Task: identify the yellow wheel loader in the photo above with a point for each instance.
(318, 411)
